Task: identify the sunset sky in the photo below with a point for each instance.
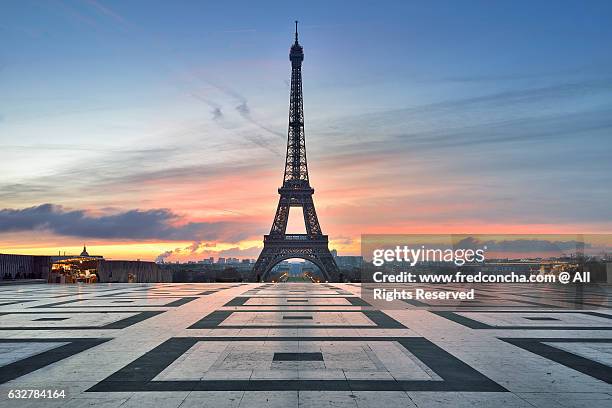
(145, 128)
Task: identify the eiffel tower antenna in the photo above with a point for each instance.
(296, 192)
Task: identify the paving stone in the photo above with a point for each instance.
(300, 345)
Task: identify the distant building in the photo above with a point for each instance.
(284, 265)
(295, 268)
(349, 262)
(601, 271)
(13, 267)
(79, 268)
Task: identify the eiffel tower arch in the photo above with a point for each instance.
(296, 192)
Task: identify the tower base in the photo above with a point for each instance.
(311, 248)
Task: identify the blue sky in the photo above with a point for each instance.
(468, 113)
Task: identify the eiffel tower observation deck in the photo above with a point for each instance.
(296, 192)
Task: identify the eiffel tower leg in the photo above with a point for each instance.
(264, 263)
(279, 226)
(310, 217)
(329, 264)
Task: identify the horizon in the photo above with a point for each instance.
(147, 128)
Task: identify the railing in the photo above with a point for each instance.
(295, 237)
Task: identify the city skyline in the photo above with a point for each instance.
(147, 129)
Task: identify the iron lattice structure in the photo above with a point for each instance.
(296, 192)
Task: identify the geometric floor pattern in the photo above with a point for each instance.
(301, 345)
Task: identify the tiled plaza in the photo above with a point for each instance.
(303, 345)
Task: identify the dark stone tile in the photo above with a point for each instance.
(298, 357)
(475, 324)
(456, 375)
(27, 365)
(584, 365)
(119, 324)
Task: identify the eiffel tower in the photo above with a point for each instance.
(296, 192)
